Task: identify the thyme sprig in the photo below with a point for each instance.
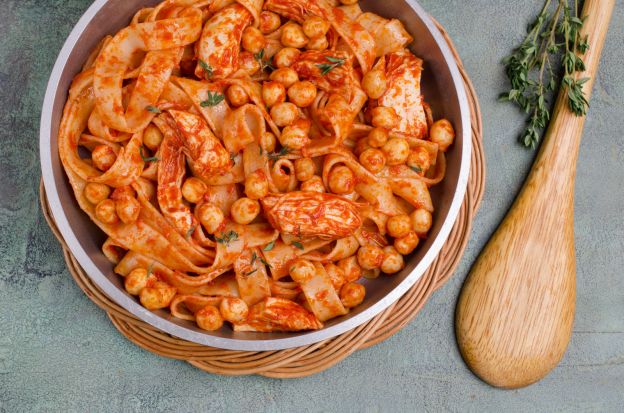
(277, 155)
(265, 63)
(553, 40)
(147, 159)
(334, 62)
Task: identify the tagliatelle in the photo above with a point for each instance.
(239, 178)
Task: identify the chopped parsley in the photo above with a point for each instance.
(251, 272)
(269, 246)
(227, 237)
(416, 169)
(298, 245)
(153, 109)
(214, 98)
(207, 69)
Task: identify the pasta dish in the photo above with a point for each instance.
(253, 161)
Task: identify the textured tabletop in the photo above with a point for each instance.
(59, 352)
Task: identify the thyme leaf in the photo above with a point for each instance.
(334, 62)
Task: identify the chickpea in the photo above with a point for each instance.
(284, 114)
(273, 93)
(352, 294)
(351, 268)
(269, 22)
(253, 40)
(234, 309)
(268, 141)
(349, 2)
(103, 157)
(375, 84)
(96, 193)
(392, 262)
(336, 274)
(442, 133)
(399, 226)
(209, 318)
(236, 95)
(315, 26)
(158, 296)
(248, 62)
(383, 117)
(295, 136)
(194, 189)
(418, 160)
(397, 151)
(314, 184)
(378, 137)
(370, 257)
(286, 57)
(105, 212)
(285, 75)
(293, 36)
(421, 221)
(137, 280)
(245, 210)
(302, 93)
(128, 209)
(341, 180)
(405, 245)
(210, 216)
(373, 159)
(256, 185)
(302, 270)
(152, 137)
(304, 169)
(319, 43)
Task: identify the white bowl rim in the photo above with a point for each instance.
(167, 326)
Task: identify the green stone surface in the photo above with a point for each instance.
(59, 352)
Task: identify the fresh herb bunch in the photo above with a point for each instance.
(532, 67)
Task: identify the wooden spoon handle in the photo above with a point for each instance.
(515, 312)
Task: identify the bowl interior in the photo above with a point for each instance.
(443, 90)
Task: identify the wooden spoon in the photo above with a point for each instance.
(515, 312)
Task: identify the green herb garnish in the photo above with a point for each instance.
(207, 69)
(269, 246)
(416, 169)
(265, 64)
(283, 152)
(251, 272)
(533, 74)
(214, 98)
(189, 233)
(145, 158)
(153, 109)
(334, 62)
(298, 245)
(254, 257)
(262, 260)
(227, 237)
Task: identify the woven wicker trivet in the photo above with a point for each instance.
(307, 360)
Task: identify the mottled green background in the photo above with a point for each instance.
(59, 352)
